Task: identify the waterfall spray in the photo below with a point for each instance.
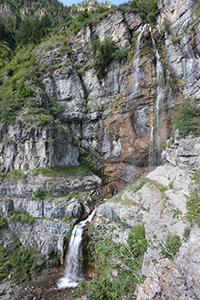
(74, 271)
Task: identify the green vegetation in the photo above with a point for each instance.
(58, 171)
(147, 8)
(39, 194)
(16, 215)
(171, 247)
(123, 258)
(102, 52)
(20, 260)
(193, 202)
(16, 175)
(188, 116)
(20, 90)
(3, 223)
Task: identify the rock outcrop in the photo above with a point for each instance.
(160, 201)
(178, 279)
(34, 147)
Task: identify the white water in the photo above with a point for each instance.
(160, 92)
(151, 151)
(74, 272)
(159, 81)
(136, 60)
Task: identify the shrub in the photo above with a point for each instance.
(102, 52)
(124, 258)
(193, 203)
(39, 194)
(188, 117)
(16, 215)
(3, 223)
(171, 247)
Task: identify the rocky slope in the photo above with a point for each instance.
(178, 279)
(160, 203)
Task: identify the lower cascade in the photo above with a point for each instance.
(74, 271)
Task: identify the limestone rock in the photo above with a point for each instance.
(175, 280)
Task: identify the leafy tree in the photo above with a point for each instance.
(124, 259)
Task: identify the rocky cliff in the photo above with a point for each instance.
(115, 122)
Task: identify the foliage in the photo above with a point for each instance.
(171, 247)
(16, 215)
(20, 260)
(16, 175)
(39, 194)
(15, 95)
(113, 256)
(188, 116)
(148, 9)
(33, 30)
(193, 202)
(102, 52)
(176, 39)
(3, 223)
(86, 161)
(58, 171)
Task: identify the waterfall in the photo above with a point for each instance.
(159, 80)
(136, 60)
(74, 271)
(151, 151)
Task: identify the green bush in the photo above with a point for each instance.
(123, 258)
(3, 223)
(193, 202)
(16, 215)
(102, 52)
(39, 194)
(171, 247)
(20, 261)
(188, 117)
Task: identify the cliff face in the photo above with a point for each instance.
(106, 113)
(119, 118)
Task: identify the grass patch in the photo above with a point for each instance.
(16, 215)
(16, 175)
(58, 171)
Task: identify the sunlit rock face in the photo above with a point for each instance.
(105, 112)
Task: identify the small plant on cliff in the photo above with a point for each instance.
(171, 247)
(39, 194)
(102, 52)
(188, 117)
(3, 223)
(193, 202)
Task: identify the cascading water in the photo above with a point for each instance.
(136, 60)
(151, 151)
(74, 272)
(160, 91)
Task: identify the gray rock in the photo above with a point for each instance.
(175, 280)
